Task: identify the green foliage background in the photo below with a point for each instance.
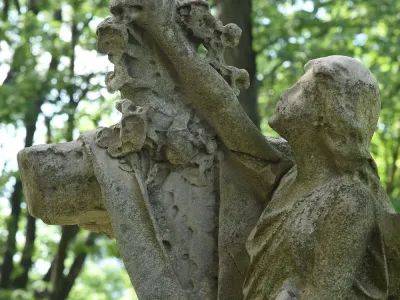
(48, 98)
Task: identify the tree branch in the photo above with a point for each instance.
(68, 234)
(6, 8)
(75, 269)
(17, 6)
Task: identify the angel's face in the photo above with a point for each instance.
(297, 108)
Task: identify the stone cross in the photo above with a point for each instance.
(202, 205)
(154, 180)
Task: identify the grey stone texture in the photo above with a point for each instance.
(202, 206)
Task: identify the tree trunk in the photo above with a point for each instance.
(243, 56)
(12, 228)
(26, 261)
(5, 9)
(68, 234)
(33, 6)
(76, 268)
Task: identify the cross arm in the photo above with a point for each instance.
(60, 187)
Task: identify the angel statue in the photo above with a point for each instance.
(201, 204)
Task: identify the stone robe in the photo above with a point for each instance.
(295, 237)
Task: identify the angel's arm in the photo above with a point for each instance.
(207, 90)
(215, 100)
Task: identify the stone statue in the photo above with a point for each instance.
(202, 205)
(329, 230)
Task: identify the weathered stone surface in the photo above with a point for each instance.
(61, 188)
(185, 178)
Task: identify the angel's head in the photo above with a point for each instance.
(335, 105)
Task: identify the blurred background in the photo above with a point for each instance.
(52, 89)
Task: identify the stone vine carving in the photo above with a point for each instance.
(130, 53)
